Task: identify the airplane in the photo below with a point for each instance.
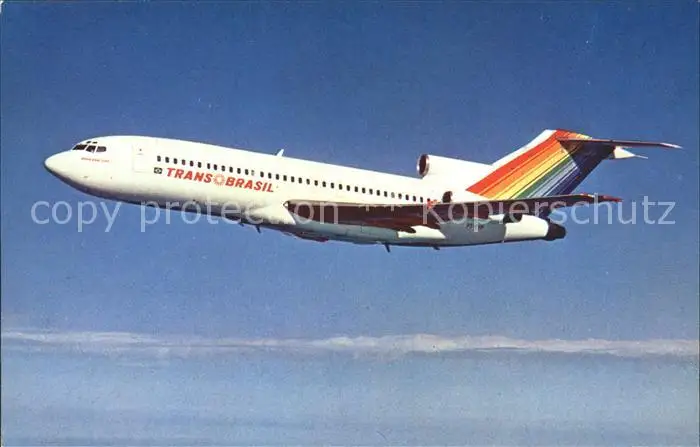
(451, 203)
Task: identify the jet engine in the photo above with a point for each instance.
(506, 218)
(433, 165)
(532, 227)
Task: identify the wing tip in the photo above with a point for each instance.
(606, 198)
(662, 144)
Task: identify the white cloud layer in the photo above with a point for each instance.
(164, 346)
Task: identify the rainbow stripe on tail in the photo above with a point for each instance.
(544, 167)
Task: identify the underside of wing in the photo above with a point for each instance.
(534, 206)
(405, 217)
(396, 217)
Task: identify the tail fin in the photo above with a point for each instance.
(554, 163)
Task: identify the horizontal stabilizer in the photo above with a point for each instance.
(617, 143)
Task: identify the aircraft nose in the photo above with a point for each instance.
(58, 165)
(51, 164)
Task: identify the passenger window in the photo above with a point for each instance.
(379, 193)
(400, 196)
(230, 169)
(324, 184)
(308, 181)
(262, 174)
(191, 164)
(101, 149)
(269, 175)
(158, 158)
(291, 179)
(347, 187)
(364, 191)
(301, 180)
(175, 160)
(393, 195)
(79, 147)
(223, 168)
(215, 168)
(414, 198)
(371, 191)
(184, 162)
(90, 148)
(356, 189)
(386, 194)
(167, 159)
(315, 182)
(246, 172)
(284, 177)
(199, 164)
(208, 165)
(421, 199)
(332, 185)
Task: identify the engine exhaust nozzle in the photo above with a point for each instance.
(555, 232)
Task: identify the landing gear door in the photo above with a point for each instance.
(142, 159)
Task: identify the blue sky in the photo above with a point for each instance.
(369, 85)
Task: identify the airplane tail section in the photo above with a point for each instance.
(554, 163)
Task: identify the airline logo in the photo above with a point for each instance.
(217, 179)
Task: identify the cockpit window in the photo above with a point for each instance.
(100, 149)
(91, 148)
(79, 147)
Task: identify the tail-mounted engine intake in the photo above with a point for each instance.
(433, 165)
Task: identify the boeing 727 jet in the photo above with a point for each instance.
(452, 203)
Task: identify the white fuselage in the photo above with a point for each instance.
(253, 188)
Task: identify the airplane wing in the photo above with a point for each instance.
(404, 217)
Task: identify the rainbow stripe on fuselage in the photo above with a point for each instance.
(545, 169)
